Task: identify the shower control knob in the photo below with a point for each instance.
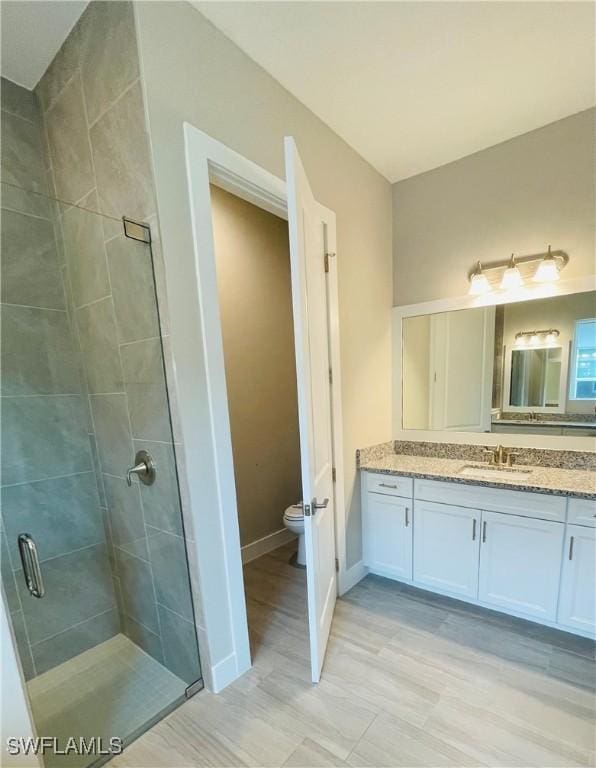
(144, 469)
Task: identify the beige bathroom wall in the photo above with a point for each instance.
(518, 196)
(559, 312)
(193, 73)
(255, 301)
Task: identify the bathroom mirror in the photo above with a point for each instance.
(524, 367)
(535, 380)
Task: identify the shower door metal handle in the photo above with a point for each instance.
(144, 468)
(31, 567)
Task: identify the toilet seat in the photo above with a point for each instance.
(295, 512)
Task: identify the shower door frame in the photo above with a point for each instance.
(209, 161)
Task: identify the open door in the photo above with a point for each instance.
(309, 300)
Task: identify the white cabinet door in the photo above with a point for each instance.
(577, 601)
(446, 540)
(388, 536)
(520, 564)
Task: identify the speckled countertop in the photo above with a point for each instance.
(579, 482)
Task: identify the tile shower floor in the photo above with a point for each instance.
(114, 689)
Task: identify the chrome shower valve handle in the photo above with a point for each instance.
(144, 469)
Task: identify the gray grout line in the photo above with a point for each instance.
(112, 104)
(29, 306)
(72, 626)
(45, 479)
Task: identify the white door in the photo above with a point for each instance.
(520, 563)
(309, 299)
(577, 601)
(462, 358)
(387, 539)
(446, 548)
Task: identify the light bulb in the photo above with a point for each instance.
(548, 269)
(478, 282)
(534, 339)
(550, 338)
(511, 276)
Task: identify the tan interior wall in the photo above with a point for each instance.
(193, 73)
(518, 196)
(255, 300)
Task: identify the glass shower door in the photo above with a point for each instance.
(94, 564)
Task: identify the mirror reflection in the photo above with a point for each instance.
(523, 367)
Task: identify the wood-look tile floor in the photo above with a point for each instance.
(410, 679)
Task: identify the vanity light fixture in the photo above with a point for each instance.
(515, 271)
(511, 276)
(478, 282)
(534, 337)
(548, 269)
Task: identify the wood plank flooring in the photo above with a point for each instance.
(410, 679)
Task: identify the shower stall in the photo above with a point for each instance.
(95, 573)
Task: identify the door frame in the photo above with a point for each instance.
(209, 161)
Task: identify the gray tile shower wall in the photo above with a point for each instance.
(49, 486)
(98, 158)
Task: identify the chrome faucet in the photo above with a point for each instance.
(500, 456)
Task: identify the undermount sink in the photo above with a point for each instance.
(473, 470)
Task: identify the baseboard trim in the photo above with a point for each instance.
(225, 672)
(352, 576)
(266, 544)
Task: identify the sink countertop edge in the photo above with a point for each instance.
(449, 473)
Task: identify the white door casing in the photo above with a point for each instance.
(309, 300)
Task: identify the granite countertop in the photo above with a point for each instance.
(545, 479)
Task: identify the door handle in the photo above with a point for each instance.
(571, 548)
(407, 519)
(31, 567)
(144, 468)
(474, 529)
(318, 505)
(484, 532)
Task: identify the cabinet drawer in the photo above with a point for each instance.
(582, 512)
(389, 484)
(540, 505)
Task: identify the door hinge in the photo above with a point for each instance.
(333, 474)
(336, 565)
(328, 256)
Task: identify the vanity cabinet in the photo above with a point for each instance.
(577, 601)
(528, 554)
(387, 541)
(446, 548)
(520, 563)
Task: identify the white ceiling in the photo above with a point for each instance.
(32, 33)
(414, 85)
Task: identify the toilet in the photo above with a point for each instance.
(294, 521)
